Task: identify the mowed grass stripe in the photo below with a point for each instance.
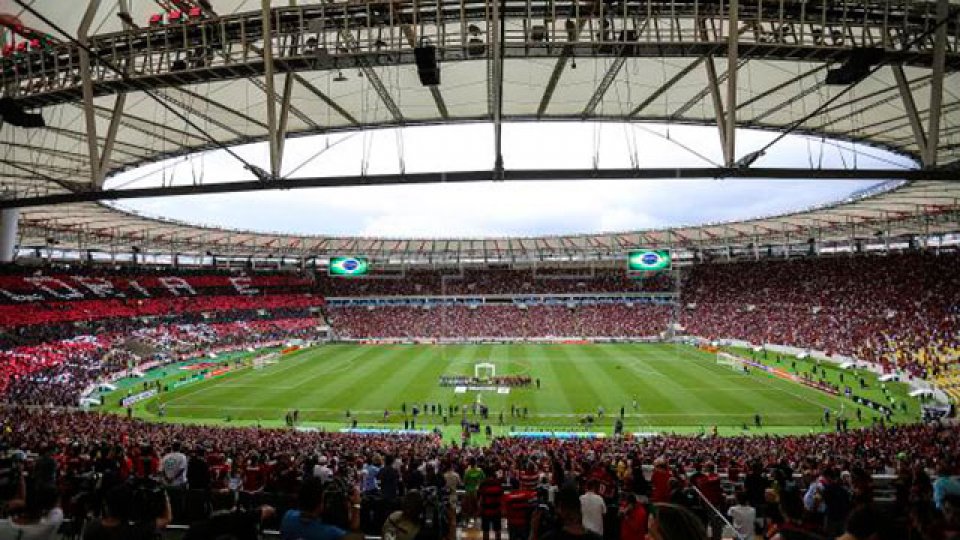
(634, 379)
(793, 404)
(366, 376)
(674, 378)
(675, 385)
(556, 393)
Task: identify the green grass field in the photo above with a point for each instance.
(678, 388)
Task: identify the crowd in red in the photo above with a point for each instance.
(874, 308)
(770, 472)
(897, 310)
(501, 321)
(94, 310)
(495, 281)
(56, 373)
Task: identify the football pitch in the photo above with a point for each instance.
(676, 388)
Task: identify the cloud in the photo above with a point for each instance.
(499, 208)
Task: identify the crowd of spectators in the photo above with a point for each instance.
(818, 484)
(476, 281)
(54, 313)
(57, 373)
(898, 310)
(501, 321)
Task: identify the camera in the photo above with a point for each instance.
(148, 499)
(435, 523)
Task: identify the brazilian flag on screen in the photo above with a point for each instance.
(348, 266)
(649, 260)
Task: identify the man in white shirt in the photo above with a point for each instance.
(322, 471)
(174, 467)
(743, 516)
(593, 507)
(451, 480)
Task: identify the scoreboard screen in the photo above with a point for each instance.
(348, 266)
(650, 260)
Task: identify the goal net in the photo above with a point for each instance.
(729, 360)
(265, 360)
(484, 371)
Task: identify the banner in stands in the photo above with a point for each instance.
(135, 398)
(558, 434)
(39, 288)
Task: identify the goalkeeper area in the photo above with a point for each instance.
(659, 387)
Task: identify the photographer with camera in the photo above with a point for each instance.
(406, 523)
(569, 519)
(120, 520)
(229, 522)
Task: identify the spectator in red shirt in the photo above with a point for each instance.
(633, 518)
(709, 485)
(491, 502)
(660, 480)
(519, 505)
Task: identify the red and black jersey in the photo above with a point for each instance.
(491, 497)
(519, 505)
(529, 480)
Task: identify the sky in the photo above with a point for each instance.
(485, 209)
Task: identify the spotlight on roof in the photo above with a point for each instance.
(428, 69)
(340, 77)
(749, 159)
(12, 113)
(856, 68)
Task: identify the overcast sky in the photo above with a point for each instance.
(513, 208)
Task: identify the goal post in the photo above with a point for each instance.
(264, 360)
(484, 371)
(733, 362)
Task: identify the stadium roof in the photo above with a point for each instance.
(153, 92)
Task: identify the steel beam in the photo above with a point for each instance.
(721, 78)
(779, 106)
(785, 84)
(207, 118)
(910, 107)
(111, 139)
(272, 131)
(848, 105)
(667, 86)
(485, 175)
(351, 44)
(936, 83)
(733, 51)
(551, 86)
(87, 92)
(327, 100)
(713, 86)
(608, 77)
(495, 87)
(285, 109)
(218, 105)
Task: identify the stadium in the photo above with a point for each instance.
(635, 269)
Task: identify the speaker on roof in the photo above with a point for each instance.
(857, 66)
(12, 113)
(427, 67)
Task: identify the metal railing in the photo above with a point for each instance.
(349, 34)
